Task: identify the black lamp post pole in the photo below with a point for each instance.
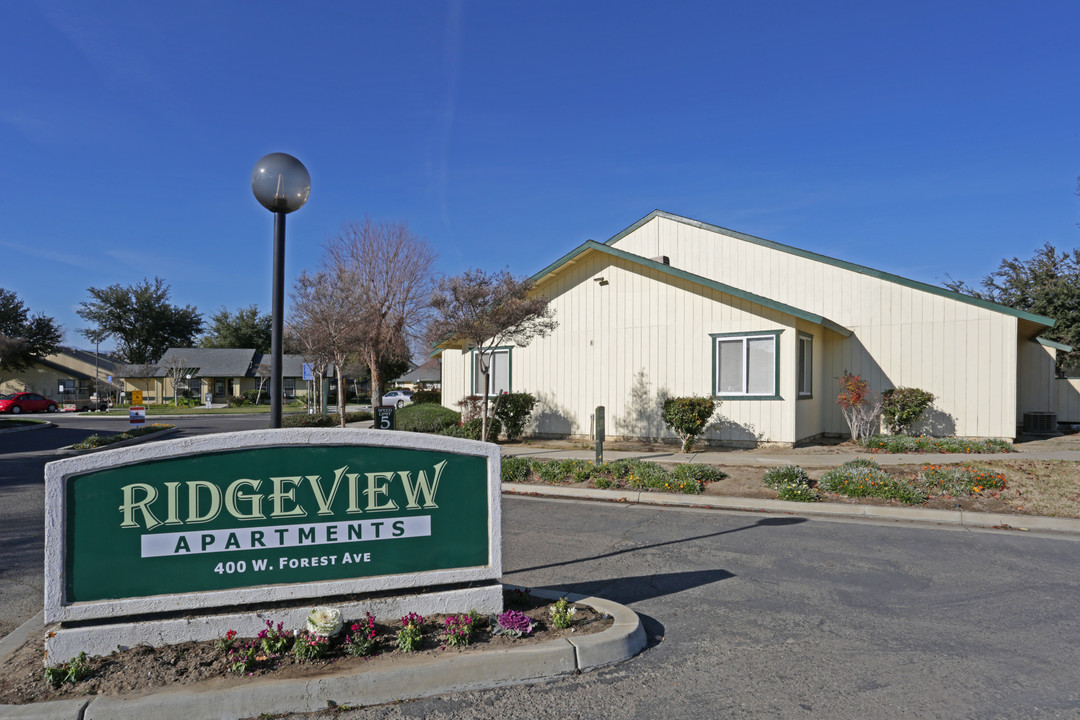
(277, 321)
(281, 184)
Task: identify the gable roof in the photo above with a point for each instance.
(215, 362)
(430, 371)
(593, 246)
(861, 269)
(212, 362)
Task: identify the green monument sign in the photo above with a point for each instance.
(249, 517)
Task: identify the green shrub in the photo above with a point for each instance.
(357, 416)
(902, 407)
(516, 469)
(796, 493)
(688, 417)
(71, 672)
(639, 474)
(958, 481)
(237, 401)
(513, 411)
(778, 477)
(644, 475)
(864, 481)
(473, 429)
(309, 420)
(927, 444)
(698, 473)
(455, 431)
(579, 470)
(96, 441)
(426, 418)
(427, 397)
(557, 471)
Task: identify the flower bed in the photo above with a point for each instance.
(689, 478)
(96, 441)
(282, 652)
(928, 444)
(865, 478)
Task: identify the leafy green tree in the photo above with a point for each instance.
(140, 319)
(24, 338)
(1047, 284)
(902, 407)
(246, 328)
(689, 417)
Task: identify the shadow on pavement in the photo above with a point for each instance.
(629, 590)
(763, 522)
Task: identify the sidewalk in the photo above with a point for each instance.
(805, 457)
(811, 457)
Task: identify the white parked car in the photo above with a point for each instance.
(397, 398)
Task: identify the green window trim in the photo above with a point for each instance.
(808, 394)
(715, 341)
(509, 368)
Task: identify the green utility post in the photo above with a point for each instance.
(599, 434)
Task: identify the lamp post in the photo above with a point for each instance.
(281, 184)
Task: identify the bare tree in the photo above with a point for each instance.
(178, 368)
(485, 311)
(262, 372)
(325, 310)
(391, 269)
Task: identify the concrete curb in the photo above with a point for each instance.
(913, 515)
(68, 451)
(409, 679)
(29, 426)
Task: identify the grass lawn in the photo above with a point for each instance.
(152, 410)
(12, 423)
(1041, 487)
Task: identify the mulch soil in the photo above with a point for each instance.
(145, 669)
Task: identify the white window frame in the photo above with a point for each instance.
(744, 338)
(476, 377)
(805, 366)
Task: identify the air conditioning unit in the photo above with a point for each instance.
(1040, 423)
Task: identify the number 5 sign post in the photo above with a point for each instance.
(385, 417)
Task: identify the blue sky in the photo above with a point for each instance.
(922, 138)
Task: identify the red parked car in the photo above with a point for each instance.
(26, 402)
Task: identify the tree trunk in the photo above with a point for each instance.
(376, 384)
(484, 404)
(340, 395)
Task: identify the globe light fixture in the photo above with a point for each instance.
(281, 184)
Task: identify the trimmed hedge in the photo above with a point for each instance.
(426, 418)
(426, 397)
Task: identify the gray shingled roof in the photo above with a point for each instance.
(212, 362)
(215, 362)
(431, 371)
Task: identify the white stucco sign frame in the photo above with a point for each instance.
(60, 475)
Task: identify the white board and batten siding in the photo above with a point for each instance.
(1036, 389)
(903, 336)
(628, 343)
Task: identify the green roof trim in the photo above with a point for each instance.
(1053, 344)
(592, 245)
(861, 269)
